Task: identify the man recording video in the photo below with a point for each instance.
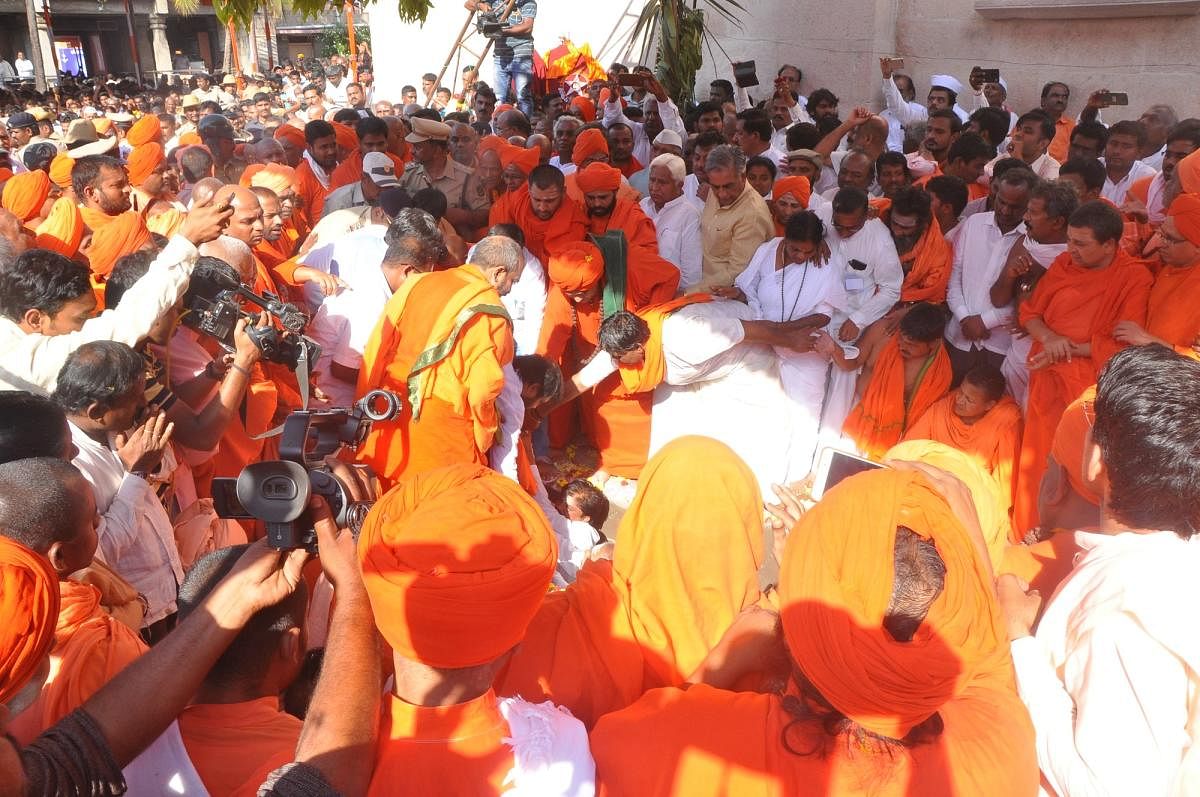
(514, 47)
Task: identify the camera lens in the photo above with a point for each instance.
(380, 405)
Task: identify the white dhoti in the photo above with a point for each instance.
(1016, 369)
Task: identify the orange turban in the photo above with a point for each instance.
(1188, 170)
(598, 177)
(797, 186)
(102, 124)
(587, 108)
(248, 174)
(166, 223)
(577, 267)
(344, 135)
(588, 143)
(60, 170)
(1185, 210)
(835, 586)
(1070, 440)
(456, 562)
(293, 134)
(491, 144)
(29, 605)
(190, 140)
(275, 176)
(126, 233)
(25, 193)
(143, 161)
(145, 130)
(62, 230)
(501, 108)
(526, 160)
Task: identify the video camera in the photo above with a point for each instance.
(277, 492)
(489, 25)
(213, 305)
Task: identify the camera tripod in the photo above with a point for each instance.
(468, 33)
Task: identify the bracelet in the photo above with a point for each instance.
(237, 367)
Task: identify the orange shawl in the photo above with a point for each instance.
(650, 372)
(441, 343)
(882, 417)
(629, 218)
(62, 230)
(1171, 313)
(685, 565)
(927, 267)
(95, 219)
(234, 746)
(542, 237)
(29, 604)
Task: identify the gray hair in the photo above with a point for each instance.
(498, 251)
(1059, 196)
(234, 252)
(673, 164)
(566, 119)
(726, 156)
(1164, 113)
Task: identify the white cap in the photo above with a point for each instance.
(1004, 85)
(380, 168)
(946, 82)
(669, 138)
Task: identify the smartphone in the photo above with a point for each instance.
(832, 467)
(745, 74)
(989, 75)
(225, 499)
(1116, 98)
(632, 79)
(896, 63)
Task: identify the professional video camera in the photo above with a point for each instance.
(277, 492)
(488, 23)
(213, 305)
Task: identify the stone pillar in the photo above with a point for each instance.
(158, 37)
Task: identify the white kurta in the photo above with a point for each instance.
(1016, 361)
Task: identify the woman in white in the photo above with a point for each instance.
(792, 278)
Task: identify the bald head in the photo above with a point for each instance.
(246, 223)
(542, 144)
(43, 501)
(234, 252)
(266, 151)
(205, 190)
(872, 135)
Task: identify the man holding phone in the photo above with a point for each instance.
(513, 59)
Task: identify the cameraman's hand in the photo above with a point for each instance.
(246, 352)
(206, 221)
(262, 577)
(336, 548)
(328, 283)
(142, 450)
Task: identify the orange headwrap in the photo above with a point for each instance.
(587, 108)
(1070, 442)
(126, 233)
(274, 176)
(60, 170)
(62, 230)
(145, 130)
(526, 160)
(293, 134)
(501, 108)
(456, 561)
(29, 605)
(577, 267)
(344, 135)
(1188, 170)
(835, 586)
(166, 223)
(795, 185)
(25, 193)
(143, 161)
(190, 140)
(248, 174)
(491, 144)
(1185, 210)
(598, 177)
(102, 124)
(588, 143)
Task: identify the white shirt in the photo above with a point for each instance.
(1112, 678)
(343, 326)
(565, 168)
(979, 259)
(641, 142)
(895, 139)
(907, 112)
(1155, 208)
(871, 291)
(1155, 161)
(32, 361)
(691, 191)
(335, 93)
(136, 536)
(525, 303)
(24, 68)
(678, 228)
(1115, 192)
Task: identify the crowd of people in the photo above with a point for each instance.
(990, 309)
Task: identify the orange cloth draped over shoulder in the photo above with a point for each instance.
(1044, 565)
(455, 562)
(441, 344)
(234, 746)
(90, 648)
(882, 417)
(650, 373)
(994, 441)
(126, 234)
(1171, 314)
(927, 267)
(685, 566)
(630, 219)
(62, 230)
(350, 170)
(543, 237)
(29, 603)
(25, 193)
(835, 586)
(1084, 305)
(166, 223)
(311, 191)
(95, 219)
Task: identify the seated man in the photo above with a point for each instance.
(898, 382)
(234, 730)
(880, 563)
(1110, 651)
(452, 609)
(979, 419)
(925, 255)
(102, 388)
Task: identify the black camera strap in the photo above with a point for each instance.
(302, 382)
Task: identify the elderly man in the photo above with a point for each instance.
(1157, 120)
(566, 129)
(735, 220)
(659, 111)
(463, 143)
(1145, 201)
(676, 220)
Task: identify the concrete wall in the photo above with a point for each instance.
(1153, 59)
